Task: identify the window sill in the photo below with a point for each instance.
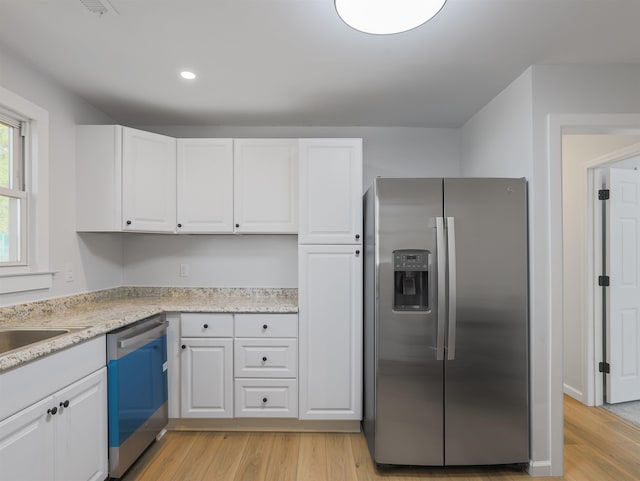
(30, 281)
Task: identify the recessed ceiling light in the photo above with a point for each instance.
(187, 75)
(387, 16)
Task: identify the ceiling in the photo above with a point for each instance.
(293, 62)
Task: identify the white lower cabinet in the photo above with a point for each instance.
(242, 365)
(207, 377)
(63, 437)
(206, 365)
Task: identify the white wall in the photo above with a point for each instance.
(497, 140)
(96, 260)
(577, 151)
(271, 261)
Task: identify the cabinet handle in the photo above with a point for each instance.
(179, 225)
(357, 236)
(357, 253)
(52, 411)
(237, 225)
(206, 326)
(183, 346)
(64, 404)
(264, 399)
(264, 326)
(264, 359)
(128, 222)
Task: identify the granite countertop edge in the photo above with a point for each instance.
(91, 316)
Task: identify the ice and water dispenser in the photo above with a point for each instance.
(411, 280)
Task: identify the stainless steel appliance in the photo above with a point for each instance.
(137, 390)
(446, 323)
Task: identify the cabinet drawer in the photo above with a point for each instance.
(266, 325)
(257, 398)
(265, 357)
(206, 325)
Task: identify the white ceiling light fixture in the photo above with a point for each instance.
(185, 74)
(387, 16)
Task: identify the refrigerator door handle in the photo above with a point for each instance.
(451, 256)
(442, 269)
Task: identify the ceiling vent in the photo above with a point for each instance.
(99, 7)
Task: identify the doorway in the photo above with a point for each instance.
(587, 160)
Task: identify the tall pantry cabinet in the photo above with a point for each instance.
(330, 279)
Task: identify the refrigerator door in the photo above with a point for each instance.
(486, 375)
(408, 376)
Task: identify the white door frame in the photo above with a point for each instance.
(548, 185)
(593, 260)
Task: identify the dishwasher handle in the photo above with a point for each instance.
(142, 338)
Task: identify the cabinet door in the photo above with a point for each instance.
(266, 186)
(148, 181)
(81, 430)
(26, 444)
(207, 378)
(330, 191)
(205, 185)
(330, 342)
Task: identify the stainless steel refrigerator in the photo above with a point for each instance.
(446, 321)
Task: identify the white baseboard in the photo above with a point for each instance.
(574, 393)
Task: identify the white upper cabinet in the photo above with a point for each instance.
(148, 181)
(330, 191)
(266, 186)
(205, 186)
(126, 180)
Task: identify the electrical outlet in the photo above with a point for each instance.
(184, 270)
(68, 272)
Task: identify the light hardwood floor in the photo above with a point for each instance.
(598, 447)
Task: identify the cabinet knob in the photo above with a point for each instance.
(206, 326)
(64, 404)
(128, 222)
(264, 326)
(264, 359)
(183, 346)
(357, 253)
(179, 225)
(357, 236)
(52, 411)
(264, 399)
(237, 225)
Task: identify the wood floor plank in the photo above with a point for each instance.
(225, 461)
(198, 459)
(283, 462)
(255, 459)
(174, 450)
(339, 458)
(312, 458)
(364, 466)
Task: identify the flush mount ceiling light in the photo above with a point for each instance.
(187, 75)
(387, 16)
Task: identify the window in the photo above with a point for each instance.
(13, 198)
(24, 195)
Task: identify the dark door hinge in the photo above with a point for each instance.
(603, 281)
(603, 194)
(604, 367)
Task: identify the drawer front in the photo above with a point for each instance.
(265, 357)
(206, 325)
(259, 398)
(266, 325)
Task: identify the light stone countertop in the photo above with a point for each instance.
(103, 311)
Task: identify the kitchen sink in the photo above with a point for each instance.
(11, 339)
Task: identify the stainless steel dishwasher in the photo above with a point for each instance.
(137, 387)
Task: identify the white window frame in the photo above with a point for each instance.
(36, 273)
(17, 190)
